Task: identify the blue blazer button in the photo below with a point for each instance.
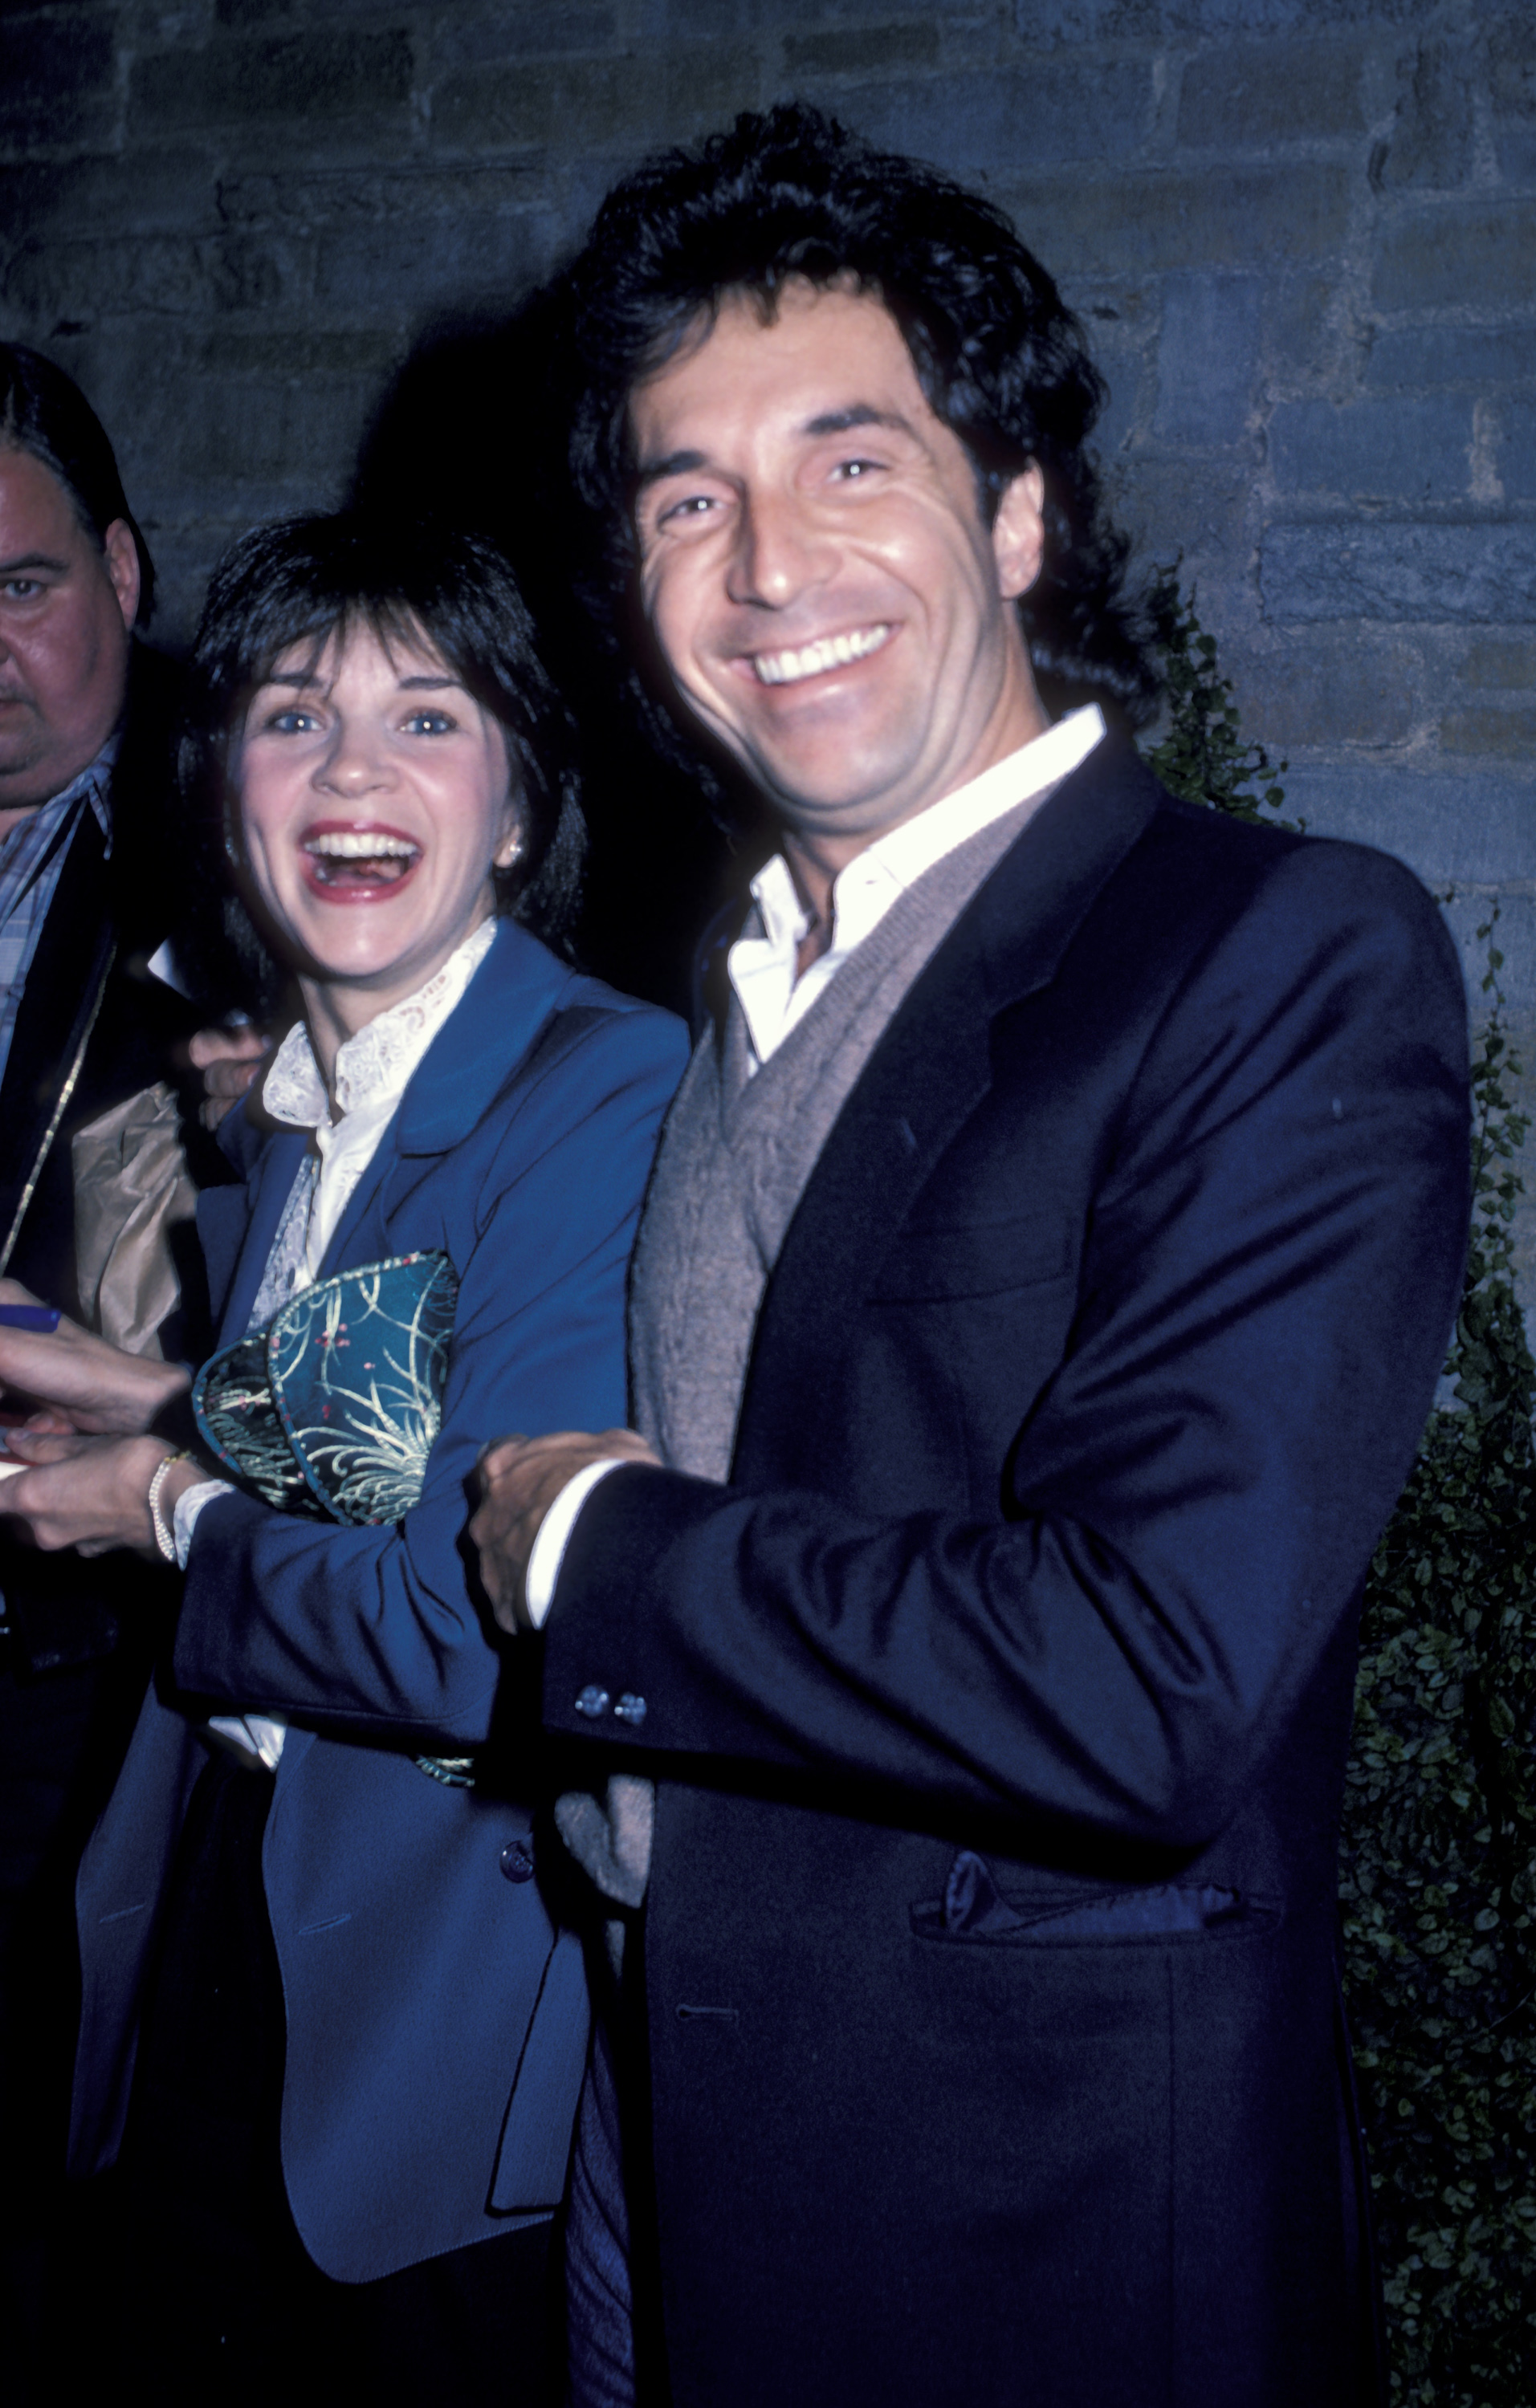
(517, 1861)
(630, 1709)
(592, 1701)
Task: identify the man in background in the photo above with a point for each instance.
(1042, 1284)
(86, 867)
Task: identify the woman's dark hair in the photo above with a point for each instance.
(43, 411)
(300, 582)
(1000, 359)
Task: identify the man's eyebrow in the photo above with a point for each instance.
(676, 463)
(26, 560)
(858, 413)
(826, 422)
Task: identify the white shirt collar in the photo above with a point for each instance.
(375, 1066)
(762, 968)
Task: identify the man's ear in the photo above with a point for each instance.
(1018, 532)
(122, 567)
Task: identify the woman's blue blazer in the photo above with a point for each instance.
(437, 2018)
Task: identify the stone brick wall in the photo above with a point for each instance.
(1303, 232)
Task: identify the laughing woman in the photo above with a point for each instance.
(330, 2021)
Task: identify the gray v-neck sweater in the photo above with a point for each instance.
(739, 1148)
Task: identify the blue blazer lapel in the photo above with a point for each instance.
(469, 1061)
(508, 1001)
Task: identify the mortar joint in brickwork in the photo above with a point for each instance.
(1336, 210)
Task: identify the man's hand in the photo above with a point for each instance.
(520, 1479)
(229, 1059)
(93, 1385)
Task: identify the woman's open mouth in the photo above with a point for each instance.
(357, 865)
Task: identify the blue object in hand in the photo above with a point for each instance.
(28, 1316)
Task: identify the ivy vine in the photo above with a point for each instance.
(1437, 1853)
(1203, 756)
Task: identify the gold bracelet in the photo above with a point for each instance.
(164, 1532)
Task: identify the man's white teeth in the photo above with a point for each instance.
(812, 660)
(342, 845)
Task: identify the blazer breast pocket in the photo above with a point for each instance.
(937, 1262)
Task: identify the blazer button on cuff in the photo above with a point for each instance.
(592, 1701)
(517, 1861)
(630, 1709)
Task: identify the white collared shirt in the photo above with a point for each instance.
(762, 971)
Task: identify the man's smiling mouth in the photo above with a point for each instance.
(359, 859)
(814, 660)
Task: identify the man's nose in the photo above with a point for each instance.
(781, 552)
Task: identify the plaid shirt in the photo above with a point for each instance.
(32, 858)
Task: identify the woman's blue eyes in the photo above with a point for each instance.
(297, 722)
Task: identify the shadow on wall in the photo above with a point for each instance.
(472, 427)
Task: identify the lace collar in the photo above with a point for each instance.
(379, 1061)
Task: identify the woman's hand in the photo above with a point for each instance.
(92, 1493)
(97, 1386)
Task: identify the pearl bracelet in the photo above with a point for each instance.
(164, 1532)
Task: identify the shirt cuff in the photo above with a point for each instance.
(252, 1734)
(549, 1548)
(188, 1505)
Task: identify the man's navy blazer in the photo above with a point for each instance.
(437, 2021)
(999, 1702)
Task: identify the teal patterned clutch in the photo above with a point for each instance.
(331, 1412)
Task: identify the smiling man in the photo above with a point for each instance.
(819, 573)
(1041, 1285)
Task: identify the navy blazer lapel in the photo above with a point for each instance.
(933, 1066)
(489, 1031)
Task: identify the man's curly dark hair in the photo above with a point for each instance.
(1002, 362)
